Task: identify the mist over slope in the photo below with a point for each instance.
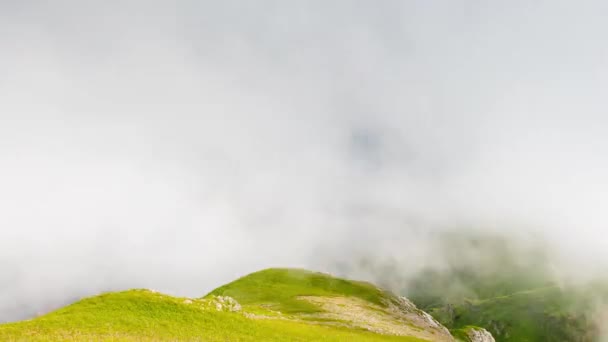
(143, 143)
(510, 287)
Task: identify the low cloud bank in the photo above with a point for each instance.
(178, 146)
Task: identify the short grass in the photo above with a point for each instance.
(143, 315)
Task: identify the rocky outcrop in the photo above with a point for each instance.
(404, 307)
(476, 334)
(398, 317)
(225, 303)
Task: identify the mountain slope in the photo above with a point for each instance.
(275, 305)
(507, 287)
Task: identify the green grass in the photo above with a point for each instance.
(278, 288)
(142, 315)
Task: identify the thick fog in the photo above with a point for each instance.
(178, 145)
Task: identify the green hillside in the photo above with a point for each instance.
(270, 305)
(508, 289)
(545, 314)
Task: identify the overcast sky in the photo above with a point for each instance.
(176, 145)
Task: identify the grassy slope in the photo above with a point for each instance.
(544, 314)
(145, 315)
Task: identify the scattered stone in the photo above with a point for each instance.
(187, 301)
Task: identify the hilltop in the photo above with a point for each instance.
(269, 305)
